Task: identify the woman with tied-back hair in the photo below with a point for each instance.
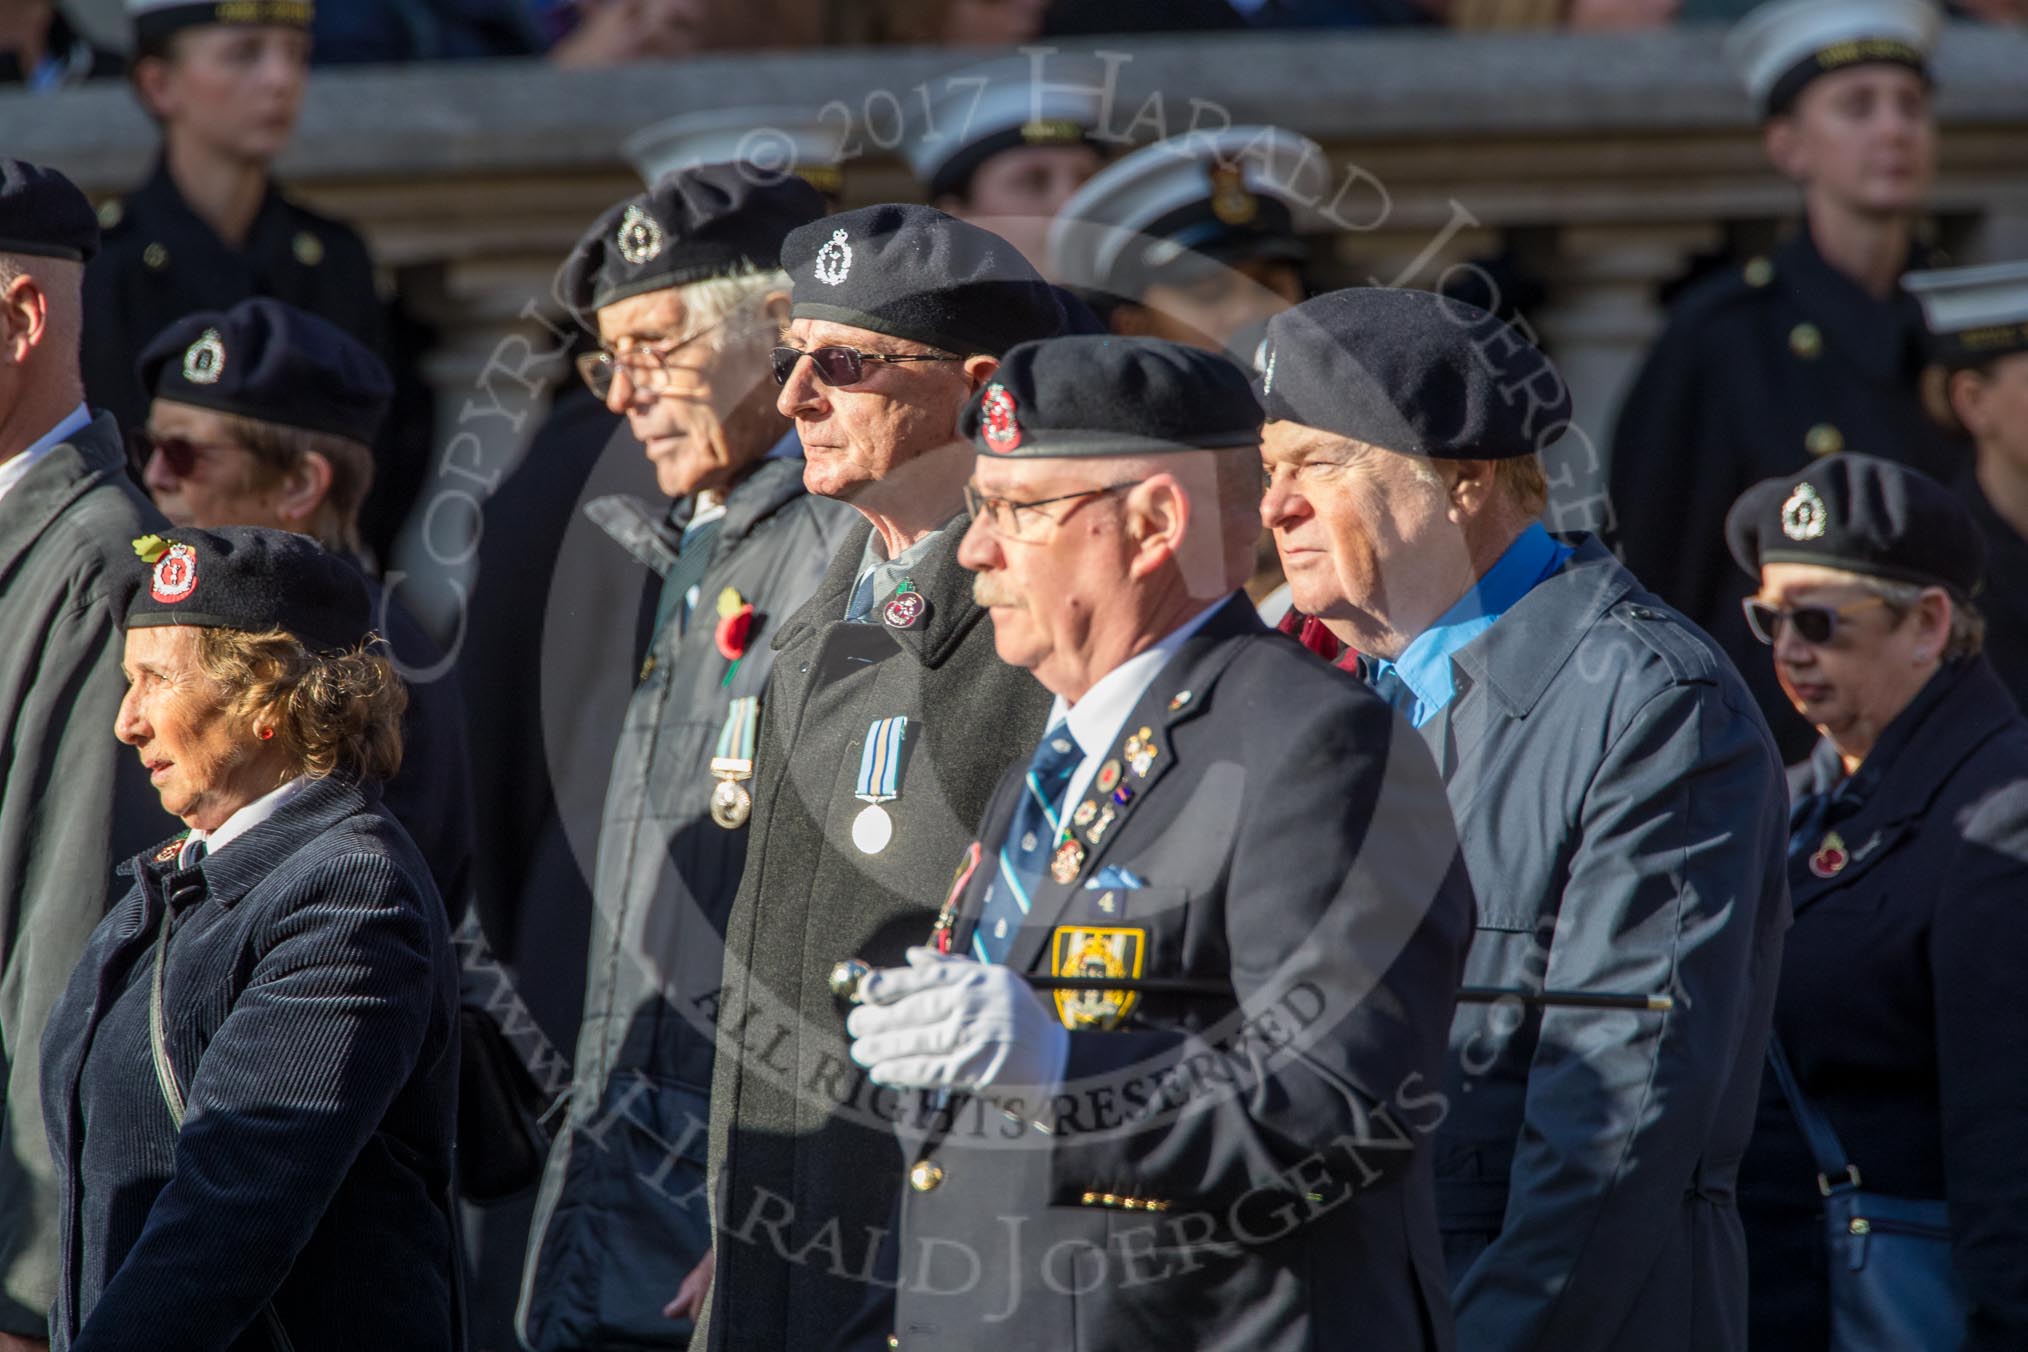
(250, 1083)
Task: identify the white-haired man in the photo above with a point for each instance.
(684, 286)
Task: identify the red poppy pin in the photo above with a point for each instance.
(735, 625)
(997, 422)
(1830, 857)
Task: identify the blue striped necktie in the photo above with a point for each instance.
(1031, 841)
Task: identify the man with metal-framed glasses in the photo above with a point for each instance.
(888, 721)
(683, 290)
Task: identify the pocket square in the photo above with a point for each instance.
(1112, 875)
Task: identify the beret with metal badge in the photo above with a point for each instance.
(1860, 514)
(265, 359)
(1110, 396)
(913, 272)
(252, 579)
(713, 220)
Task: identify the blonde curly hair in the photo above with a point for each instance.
(332, 712)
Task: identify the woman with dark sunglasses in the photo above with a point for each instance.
(1899, 1001)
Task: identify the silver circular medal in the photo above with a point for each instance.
(872, 829)
(731, 804)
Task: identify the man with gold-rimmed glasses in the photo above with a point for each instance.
(683, 288)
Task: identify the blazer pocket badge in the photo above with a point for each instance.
(1084, 953)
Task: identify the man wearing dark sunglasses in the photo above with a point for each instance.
(1619, 800)
(888, 720)
(683, 287)
(73, 796)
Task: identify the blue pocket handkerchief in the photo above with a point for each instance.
(1112, 875)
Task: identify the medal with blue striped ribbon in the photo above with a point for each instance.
(731, 803)
(879, 782)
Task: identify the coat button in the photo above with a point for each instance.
(155, 257)
(1806, 340)
(925, 1176)
(1824, 439)
(1759, 272)
(893, 1340)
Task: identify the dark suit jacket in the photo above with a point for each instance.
(1755, 361)
(1901, 1011)
(1298, 856)
(1622, 812)
(802, 1151)
(309, 1005)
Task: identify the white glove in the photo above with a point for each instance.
(952, 1023)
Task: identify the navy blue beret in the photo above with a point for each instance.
(1412, 372)
(43, 214)
(708, 221)
(252, 579)
(1861, 514)
(913, 272)
(1100, 396)
(267, 360)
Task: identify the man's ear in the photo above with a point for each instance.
(1471, 487)
(775, 305)
(303, 488)
(978, 369)
(1156, 521)
(24, 318)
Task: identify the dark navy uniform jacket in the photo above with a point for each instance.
(309, 1005)
(1902, 1014)
(1289, 845)
(1622, 813)
(160, 261)
(1762, 368)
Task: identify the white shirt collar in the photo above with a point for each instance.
(14, 471)
(247, 818)
(1096, 720)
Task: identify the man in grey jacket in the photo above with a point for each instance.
(889, 720)
(73, 803)
(1620, 803)
(684, 289)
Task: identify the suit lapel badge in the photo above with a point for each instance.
(1080, 951)
(1830, 859)
(1067, 862)
(1140, 751)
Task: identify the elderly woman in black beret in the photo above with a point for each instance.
(1885, 1176)
(249, 1084)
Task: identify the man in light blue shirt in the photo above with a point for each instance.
(1620, 803)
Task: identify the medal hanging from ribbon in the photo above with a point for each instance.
(731, 803)
(879, 782)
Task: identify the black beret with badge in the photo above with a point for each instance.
(1860, 514)
(913, 272)
(252, 579)
(1412, 372)
(1780, 48)
(713, 220)
(156, 20)
(1111, 396)
(43, 215)
(267, 360)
